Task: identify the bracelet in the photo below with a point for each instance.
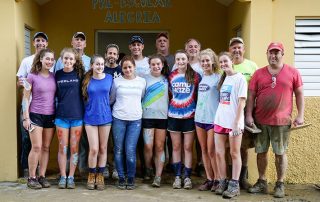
(25, 119)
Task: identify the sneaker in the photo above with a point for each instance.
(106, 173)
(260, 186)
(130, 184)
(214, 185)
(156, 182)
(44, 182)
(148, 174)
(187, 183)
(121, 184)
(207, 185)
(26, 173)
(115, 175)
(177, 183)
(279, 190)
(233, 190)
(91, 181)
(62, 182)
(221, 187)
(100, 181)
(70, 183)
(33, 183)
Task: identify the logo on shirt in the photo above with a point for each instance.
(225, 93)
(181, 87)
(204, 87)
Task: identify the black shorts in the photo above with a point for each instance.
(181, 125)
(155, 123)
(44, 121)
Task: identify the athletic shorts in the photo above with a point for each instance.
(277, 135)
(181, 125)
(205, 126)
(155, 123)
(221, 130)
(44, 121)
(68, 123)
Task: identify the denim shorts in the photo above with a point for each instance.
(68, 123)
(155, 123)
(205, 126)
(44, 121)
(181, 125)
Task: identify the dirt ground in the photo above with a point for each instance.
(18, 191)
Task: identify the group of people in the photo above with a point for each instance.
(191, 93)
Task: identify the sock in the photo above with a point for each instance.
(187, 172)
(101, 169)
(92, 170)
(177, 168)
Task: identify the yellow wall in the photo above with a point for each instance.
(275, 21)
(8, 143)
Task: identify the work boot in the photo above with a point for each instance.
(233, 190)
(91, 181)
(100, 181)
(260, 186)
(243, 179)
(279, 190)
(222, 186)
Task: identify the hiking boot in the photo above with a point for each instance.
(279, 190)
(91, 181)
(156, 181)
(115, 175)
(187, 183)
(62, 182)
(177, 183)
(233, 190)
(148, 174)
(100, 181)
(130, 184)
(33, 183)
(106, 173)
(214, 185)
(207, 185)
(44, 182)
(121, 184)
(221, 187)
(70, 183)
(260, 186)
(243, 179)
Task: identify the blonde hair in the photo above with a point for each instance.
(223, 77)
(215, 63)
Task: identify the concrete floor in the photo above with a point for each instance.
(18, 191)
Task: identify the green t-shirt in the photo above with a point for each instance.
(246, 68)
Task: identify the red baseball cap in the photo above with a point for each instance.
(275, 46)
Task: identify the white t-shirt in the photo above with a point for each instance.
(233, 88)
(127, 95)
(142, 67)
(25, 66)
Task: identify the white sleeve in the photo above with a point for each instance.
(243, 87)
(22, 72)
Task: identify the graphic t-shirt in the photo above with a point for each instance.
(114, 72)
(274, 105)
(69, 97)
(43, 93)
(208, 99)
(97, 107)
(232, 89)
(156, 100)
(184, 95)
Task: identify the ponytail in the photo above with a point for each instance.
(85, 84)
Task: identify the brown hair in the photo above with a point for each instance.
(165, 69)
(78, 66)
(223, 77)
(190, 73)
(37, 64)
(88, 76)
(128, 58)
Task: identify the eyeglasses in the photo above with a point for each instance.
(274, 81)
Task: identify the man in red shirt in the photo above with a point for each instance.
(271, 89)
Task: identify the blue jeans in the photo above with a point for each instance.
(125, 136)
(25, 144)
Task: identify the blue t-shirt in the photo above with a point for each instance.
(184, 95)
(114, 72)
(97, 107)
(69, 98)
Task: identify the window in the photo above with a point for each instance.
(307, 54)
(27, 41)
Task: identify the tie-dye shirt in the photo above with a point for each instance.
(184, 95)
(156, 99)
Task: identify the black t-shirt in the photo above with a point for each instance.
(69, 98)
(114, 72)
